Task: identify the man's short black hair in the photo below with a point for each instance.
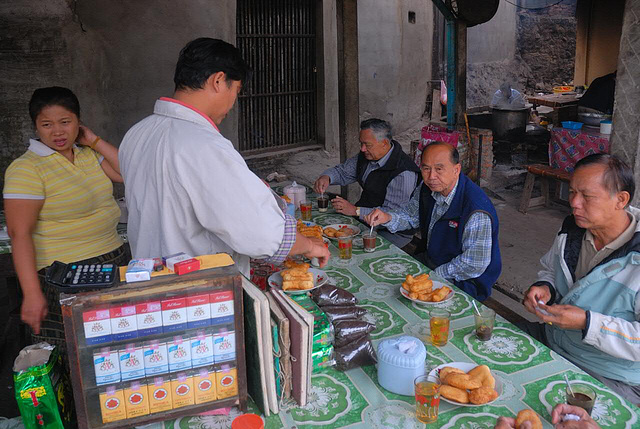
(617, 177)
(205, 56)
(53, 96)
(453, 152)
(381, 129)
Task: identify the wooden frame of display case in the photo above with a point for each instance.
(73, 305)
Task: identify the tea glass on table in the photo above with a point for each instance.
(323, 204)
(345, 246)
(485, 323)
(583, 396)
(427, 393)
(305, 210)
(439, 326)
(369, 241)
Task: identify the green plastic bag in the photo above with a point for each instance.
(42, 388)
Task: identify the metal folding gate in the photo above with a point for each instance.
(278, 104)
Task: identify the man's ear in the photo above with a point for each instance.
(216, 81)
(623, 199)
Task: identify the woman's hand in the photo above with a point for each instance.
(86, 136)
(34, 310)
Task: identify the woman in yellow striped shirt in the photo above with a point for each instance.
(59, 205)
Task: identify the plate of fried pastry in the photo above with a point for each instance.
(467, 384)
(297, 277)
(422, 290)
(340, 230)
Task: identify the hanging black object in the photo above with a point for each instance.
(475, 12)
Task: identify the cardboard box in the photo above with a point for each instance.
(174, 314)
(186, 266)
(149, 318)
(131, 362)
(106, 366)
(137, 400)
(182, 390)
(124, 325)
(97, 326)
(160, 398)
(112, 405)
(139, 270)
(226, 382)
(179, 350)
(221, 307)
(156, 358)
(198, 311)
(202, 349)
(224, 346)
(204, 385)
(171, 260)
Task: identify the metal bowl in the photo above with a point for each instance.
(593, 119)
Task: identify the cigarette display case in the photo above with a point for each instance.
(155, 350)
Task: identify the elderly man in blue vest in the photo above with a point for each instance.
(386, 174)
(458, 223)
(590, 279)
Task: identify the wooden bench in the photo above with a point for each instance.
(546, 173)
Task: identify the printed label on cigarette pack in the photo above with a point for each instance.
(123, 322)
(107, 366)
(179, 354)
(112, 405)
(182, 390)
(159, 394)
(204, 384)
(226, 382)
(224, 346)
(137, 401)
(97, 326)
(198, 311)
(131, 362)
(149, 318)
(156, 359)
(221, 307)
(174, 314)
(201, 350)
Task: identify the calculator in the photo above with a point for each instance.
(76, 276)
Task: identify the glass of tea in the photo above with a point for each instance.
(427, 393)
(439, 326)
(323, 204)
(305, 210)
(583, 396)
(485, 323)
(345, 246)
(369, 241)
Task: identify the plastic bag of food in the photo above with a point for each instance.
(341, 312)
(42, 387)
(322, 328)
(323, 358)
(332, 295)
(355, 354)
(350, 330)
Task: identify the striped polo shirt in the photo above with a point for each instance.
(79, 216)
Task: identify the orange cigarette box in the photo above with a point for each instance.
(160, 394)
(112, 405)
(137, 400)
(204, 384)
(182, 390)
(226, 382)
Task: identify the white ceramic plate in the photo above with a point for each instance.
(466, 367)
(436, 285)
(353, 228)
(319, 278)
(308, 223)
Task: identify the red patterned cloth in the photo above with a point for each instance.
(433, 133)
(569, 146)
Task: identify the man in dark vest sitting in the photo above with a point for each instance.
(458, 223)
(386, 174)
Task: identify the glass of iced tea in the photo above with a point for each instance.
(345, 245)
(305, 210)
(439, 326)
(427, 391)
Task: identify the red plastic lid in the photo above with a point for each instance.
(247, 421)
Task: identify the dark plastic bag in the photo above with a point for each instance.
(356, 354)
(342, 312)
(350, 330)
(332, 295)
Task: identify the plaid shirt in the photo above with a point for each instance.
(476, 238)
(290, 230)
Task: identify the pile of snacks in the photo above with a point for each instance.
(314, 231)
(476, 387)
(421, 287)
(296, 276)
(343, 231)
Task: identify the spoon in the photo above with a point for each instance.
(371, 232)
(476, 307)
(568, 385)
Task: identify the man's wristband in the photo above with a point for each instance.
(94, 143)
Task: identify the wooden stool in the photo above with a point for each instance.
(546, 173)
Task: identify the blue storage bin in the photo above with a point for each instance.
(400, 361)
(571, 125)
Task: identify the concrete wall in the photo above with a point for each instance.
(118, 56)
(494, 40)
(394, 60)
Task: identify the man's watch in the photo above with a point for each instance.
(358, 211)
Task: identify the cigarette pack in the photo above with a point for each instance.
(124, 325)
(97, 326)
(136, 400)
(106, 366)
(174, 314)
(201, 350)
(131, 362)
(226, 383)
(186, 266)
(182, 390)
(170, 260)
(149, 318)
(179, 354)
(204, 385)
(198, 311)
(156, 358)
(139, 270)
(112, 405)
(224, 346)
(221, 307)
(160, 394)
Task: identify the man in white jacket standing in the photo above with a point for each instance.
(589, 286)
(187, 188)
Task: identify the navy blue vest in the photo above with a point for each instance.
(446, 236)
